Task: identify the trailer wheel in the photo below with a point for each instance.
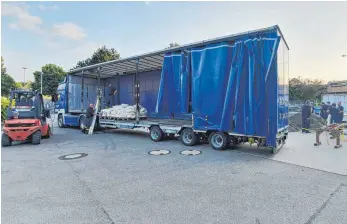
(156, 134)
(5, 140)
(218, 140)
(188, 137)
(36, 138)
(60, 121)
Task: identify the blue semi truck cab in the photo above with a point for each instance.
(66, 117)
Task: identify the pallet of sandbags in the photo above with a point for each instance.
(123, 112)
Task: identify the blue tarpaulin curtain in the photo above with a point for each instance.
(173, 88)
(233, 86)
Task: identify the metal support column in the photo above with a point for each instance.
(137, 92)
(82, 92)
(41, 82)
(118, 89)
(97, 105)
(99, 89)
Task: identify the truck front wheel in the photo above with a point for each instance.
(60, 121)
(218, 140)
(81, 122)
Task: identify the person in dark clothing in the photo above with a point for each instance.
(340, 113)
(333, 114)
(324, 111)
(89, 117)
(305, 116)
(328, 106)
(112, 93)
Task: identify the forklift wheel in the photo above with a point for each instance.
(36, 138)
(5, 140)
(49, 133)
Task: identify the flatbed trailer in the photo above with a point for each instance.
(159, 129)
(167, 127)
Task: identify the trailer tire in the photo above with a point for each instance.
(156, 133)
(5, 140)
(218, 140)
(61, 121)
(36, 138)
(188, 137)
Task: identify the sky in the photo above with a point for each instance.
(37, 33)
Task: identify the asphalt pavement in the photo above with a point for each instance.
(119, 182)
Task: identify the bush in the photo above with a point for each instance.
(5, 102)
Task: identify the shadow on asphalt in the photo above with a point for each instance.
(253, 150)
(126, 132)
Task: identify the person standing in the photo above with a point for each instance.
(112, 93)
(328, 106)
(89, 118)
(333, 114)
(340, 113)
(305, 117)
(324, 111)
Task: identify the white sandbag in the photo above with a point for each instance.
(124, 111)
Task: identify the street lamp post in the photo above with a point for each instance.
(41, 82)
(24, 68)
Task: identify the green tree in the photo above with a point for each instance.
(102, 54)
(306, 89)
(52, 75)
(22, 85)
(7, 82)
(173, 45)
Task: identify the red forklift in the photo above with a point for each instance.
(26, 118)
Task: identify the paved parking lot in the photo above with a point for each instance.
(119, 182)
(300, 150)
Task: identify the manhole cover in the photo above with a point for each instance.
(191, 152)
(73, 156)
(159, 152)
